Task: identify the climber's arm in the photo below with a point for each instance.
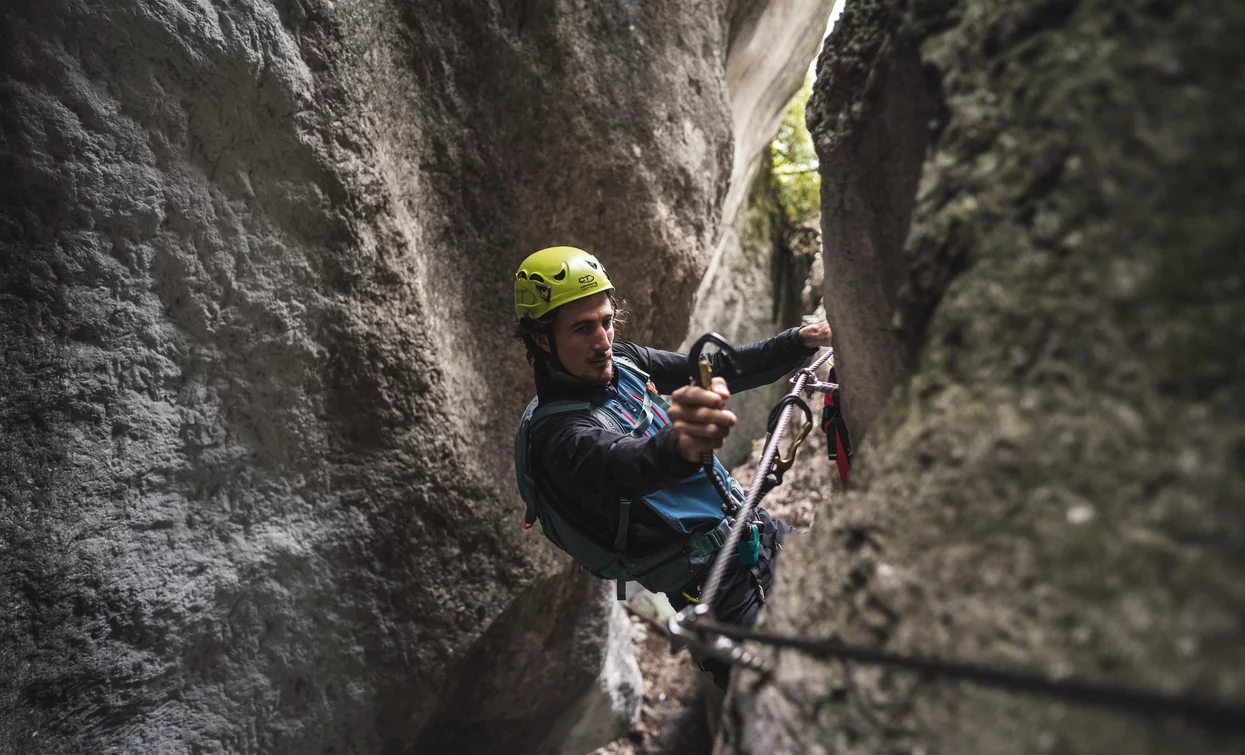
(759, 363)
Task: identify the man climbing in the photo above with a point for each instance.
(616, 475)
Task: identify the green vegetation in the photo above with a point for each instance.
(797, 182)
(790, 180)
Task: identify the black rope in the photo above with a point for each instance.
(1215, 713)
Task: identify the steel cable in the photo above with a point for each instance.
(709, 591)
(690, 626)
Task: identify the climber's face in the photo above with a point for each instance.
(584, 333)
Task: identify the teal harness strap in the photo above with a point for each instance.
(645, 420)
(708, 543)
(671, 568)
(540, 414)
(631, 366)
(624, 505)
(601, 414)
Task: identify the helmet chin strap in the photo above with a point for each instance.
(555, 362)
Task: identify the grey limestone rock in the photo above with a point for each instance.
(750, 289)
(257, 390)
(1032, 257)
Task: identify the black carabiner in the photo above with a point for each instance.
(698, 367)
(701, 372)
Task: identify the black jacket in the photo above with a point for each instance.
(583, 469)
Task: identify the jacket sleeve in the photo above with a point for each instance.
(758, 363)
(589, 460)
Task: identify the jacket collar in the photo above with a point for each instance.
(549, 389)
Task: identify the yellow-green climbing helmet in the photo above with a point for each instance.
(555, 276)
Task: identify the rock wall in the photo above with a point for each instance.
(870, 118)
(748, 279)
(486, 708)
(761, 299)
(257, 389)
(1032, 223)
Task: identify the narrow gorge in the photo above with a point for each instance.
(258, 386)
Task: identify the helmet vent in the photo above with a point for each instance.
(592, 264)
(561, 276)
(522, 275)
(536, 278)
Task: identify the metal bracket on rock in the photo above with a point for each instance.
(811, 383)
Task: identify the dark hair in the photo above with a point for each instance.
(528, 328)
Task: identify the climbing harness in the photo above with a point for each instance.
(632, 407)
(695, 628)
(749, 548)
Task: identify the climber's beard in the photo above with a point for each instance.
(598, 369)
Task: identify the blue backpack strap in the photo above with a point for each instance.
(651, 396)
(535, 414)
(522, 465)
(625, 362)
(634, 373)
(532, 416)
(601, 415)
